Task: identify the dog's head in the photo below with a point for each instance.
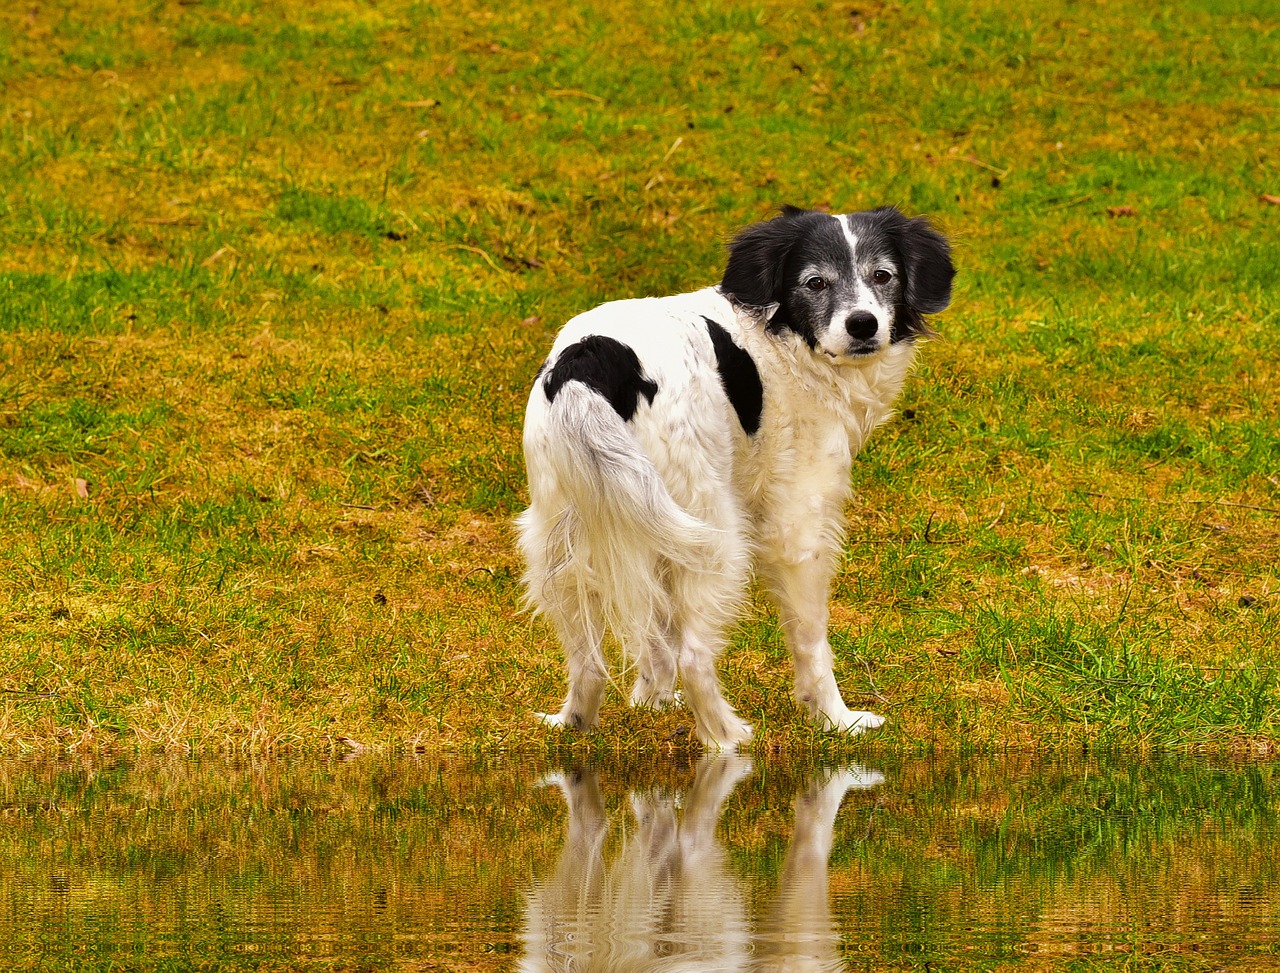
(850, 285)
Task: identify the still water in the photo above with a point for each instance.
(660, 864)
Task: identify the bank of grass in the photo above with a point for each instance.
(274, 282)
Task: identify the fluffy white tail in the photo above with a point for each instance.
(598, 464)
(603, 532)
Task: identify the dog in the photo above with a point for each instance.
(673, 444)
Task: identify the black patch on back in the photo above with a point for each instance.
(739, 376)
(607, 367)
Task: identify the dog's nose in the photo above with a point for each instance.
(861, 324)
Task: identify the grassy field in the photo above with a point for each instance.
(275, 279)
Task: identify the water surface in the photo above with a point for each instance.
(656, 864)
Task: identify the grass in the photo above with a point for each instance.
(273, 288)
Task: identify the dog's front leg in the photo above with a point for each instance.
(800, 587)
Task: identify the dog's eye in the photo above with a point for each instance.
(882, 276)
(816, 284)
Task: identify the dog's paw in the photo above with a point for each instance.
(565, 720)
(851, 721)
(729, 734)
(671, 699)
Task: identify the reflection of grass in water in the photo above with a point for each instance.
(1082, 859)
(1000, 854)
(273, 288)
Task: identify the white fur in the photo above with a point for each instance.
(651, 527)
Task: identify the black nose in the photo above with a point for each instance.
(861, 324)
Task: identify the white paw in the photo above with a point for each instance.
(851, 721)
(669, 700)
(729, 735)
(571, 721)
(568, 718)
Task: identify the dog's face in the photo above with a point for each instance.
(850, 285)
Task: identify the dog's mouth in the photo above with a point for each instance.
(855, 352)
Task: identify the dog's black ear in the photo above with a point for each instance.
(758, 257)
(929, 268)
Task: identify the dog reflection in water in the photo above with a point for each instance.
(669, 901)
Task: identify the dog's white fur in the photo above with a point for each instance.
(650, 526)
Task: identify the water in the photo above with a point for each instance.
(657, 864)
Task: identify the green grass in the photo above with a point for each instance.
(272, 291)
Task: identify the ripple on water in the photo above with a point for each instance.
(384, 863)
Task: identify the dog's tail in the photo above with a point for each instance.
(604, 530)
(600, 467)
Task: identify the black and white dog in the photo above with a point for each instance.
(674, 443)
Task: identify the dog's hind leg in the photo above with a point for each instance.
(587, 676)
(718, 726)
(655, 684)
(580, 637)
(705, 598)
(556, 587)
